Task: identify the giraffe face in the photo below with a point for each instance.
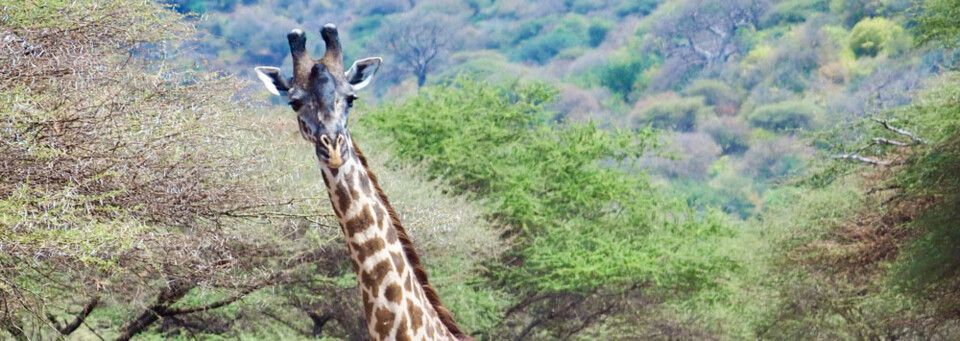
(321, 93)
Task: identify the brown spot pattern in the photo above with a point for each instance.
(365, 184)
(402, 331)
(391, 235)
(380, 215)
(398, 262)
(375, 277)
(367, 305)
(416, 315)
(384, 322)
(343, 199)
(368, 248)
(360, 222)
(348, 178)
(393, 293)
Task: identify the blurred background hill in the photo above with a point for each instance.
(734, 82)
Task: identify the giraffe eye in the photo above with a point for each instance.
(296, 104)
(350, 99)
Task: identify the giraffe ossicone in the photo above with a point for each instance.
(399, 302)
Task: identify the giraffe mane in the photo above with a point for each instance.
(411, 255)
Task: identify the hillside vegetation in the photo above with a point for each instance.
(568, 169)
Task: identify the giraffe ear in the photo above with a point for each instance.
(271, 78)
(361, 72)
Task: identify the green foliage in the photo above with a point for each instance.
(624, 75)
(853, 11)
(584, 6)
(938, 22)
(598, 31)
(871, 35)
(731, 134)
(571, 31)
(679, 114)
(794, 11)
(715, 93)
(930, 263)
(638, 7)
(785, 116)
(582, 224)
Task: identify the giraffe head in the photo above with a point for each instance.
(321, 92)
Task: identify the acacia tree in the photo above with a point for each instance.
(699, 34)
(419, 42)
(126, 179)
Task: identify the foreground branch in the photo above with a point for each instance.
(863, 159)
(78, 320)
(880, 140)
(899, 131)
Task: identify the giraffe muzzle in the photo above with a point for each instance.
(334, 150)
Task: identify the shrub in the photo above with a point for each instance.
(794, 11)
(785, 116)
(584, 6)
(690, 157)
(871, 35)
(598, 31)
(730, 133)
(623, 76)
(571, 31)
(939, 23)
(714, 92)
(778, 159)
(680, 114)
(581, 226)
(640, 7)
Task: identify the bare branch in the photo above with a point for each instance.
(863, 159)
(908, 134)
(87, 309)
(880, 140)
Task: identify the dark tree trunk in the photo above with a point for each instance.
(16, 331)
(421, 78)
(167, 297)
(318, 322)
(87, 309)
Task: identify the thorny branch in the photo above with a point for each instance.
(914, 140)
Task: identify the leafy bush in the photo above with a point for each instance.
(785, 116)
(598, 31)
(939, 23)
(871, 35)
(731, 134)
(584, 6)
(680, 114)
(715, 93)
(640, 7)
(580, 225)
(794, 11)
(776, 160)
(571, 31)
(852, 11)
(623, 76)
(690, 156)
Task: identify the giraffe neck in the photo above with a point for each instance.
(398, 301)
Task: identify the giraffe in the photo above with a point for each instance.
(398, 301)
